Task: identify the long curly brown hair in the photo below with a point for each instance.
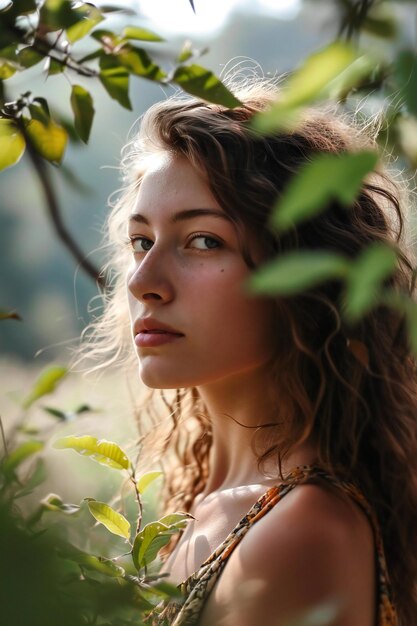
(350, 386)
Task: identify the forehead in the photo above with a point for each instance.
(171, 183)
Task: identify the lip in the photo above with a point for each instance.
(149, 324)
(149, 332)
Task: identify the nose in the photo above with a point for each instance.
(149, 279)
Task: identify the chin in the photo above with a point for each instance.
(156, 380)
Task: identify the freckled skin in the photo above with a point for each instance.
(185, 284)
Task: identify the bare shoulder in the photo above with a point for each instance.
(314, 548)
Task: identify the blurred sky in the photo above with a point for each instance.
(209, 16)
(38, 277)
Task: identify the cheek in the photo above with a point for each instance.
(235, 319)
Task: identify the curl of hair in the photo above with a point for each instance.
(361, 411)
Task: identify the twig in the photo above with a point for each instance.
(3, 436)
(139, 501)
(54, 213)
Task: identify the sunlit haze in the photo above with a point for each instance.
(176, 16)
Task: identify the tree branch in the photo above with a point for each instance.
(54, 214)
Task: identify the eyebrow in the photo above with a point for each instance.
(181, 216)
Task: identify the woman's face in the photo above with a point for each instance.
(186, 277)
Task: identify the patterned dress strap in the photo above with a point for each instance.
(196, 589)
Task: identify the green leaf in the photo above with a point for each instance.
(115, 79)
(49, 140)
(108, 39)
(23, 7)
(53, 67)
(83, 408)
(202, 83)
(352, 77)
(9, 315)
(58, 14)
(143, 34)
(52, 502)
(374, 265)
(186, 52)
(89, 561)
(20, 454)
(37, 112)
(406, 73)
(145, 480)
(148, 542)
(29, 56)
(61, 415)
(325, 178)
(38, 475)
(296, 271)
(103, 451)
(91, 16)
(404, 304)
(9, 53)
(309, 83)
(83, 109)
(46, 383)
(115, 522)
(380, 26)
(138, 62)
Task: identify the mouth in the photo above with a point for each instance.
(149, 326)
(156, 337)
(160, 332)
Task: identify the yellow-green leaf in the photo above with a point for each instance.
(6, 70)
(309, 83)
(12, 144)
(149, 541)
(22, 452)
(176, 520)
(202, 83)
(53, 502)
(49, 140)
(83, 109)
(115, 522)
(46, 383)
(325, 178)
(138, 62)
(91, 17)
(366, 275)
(145, 480)
(103, 451)
(143, 34)
(296, 271)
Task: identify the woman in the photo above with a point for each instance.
(281, 409)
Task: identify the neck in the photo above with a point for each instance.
(236, 409)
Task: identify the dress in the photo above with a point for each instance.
(197, 587)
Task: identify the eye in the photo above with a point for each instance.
(140, 244)
(205, 242)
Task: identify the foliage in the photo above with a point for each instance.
(74, 584)
(63, 582)
(50, 33)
